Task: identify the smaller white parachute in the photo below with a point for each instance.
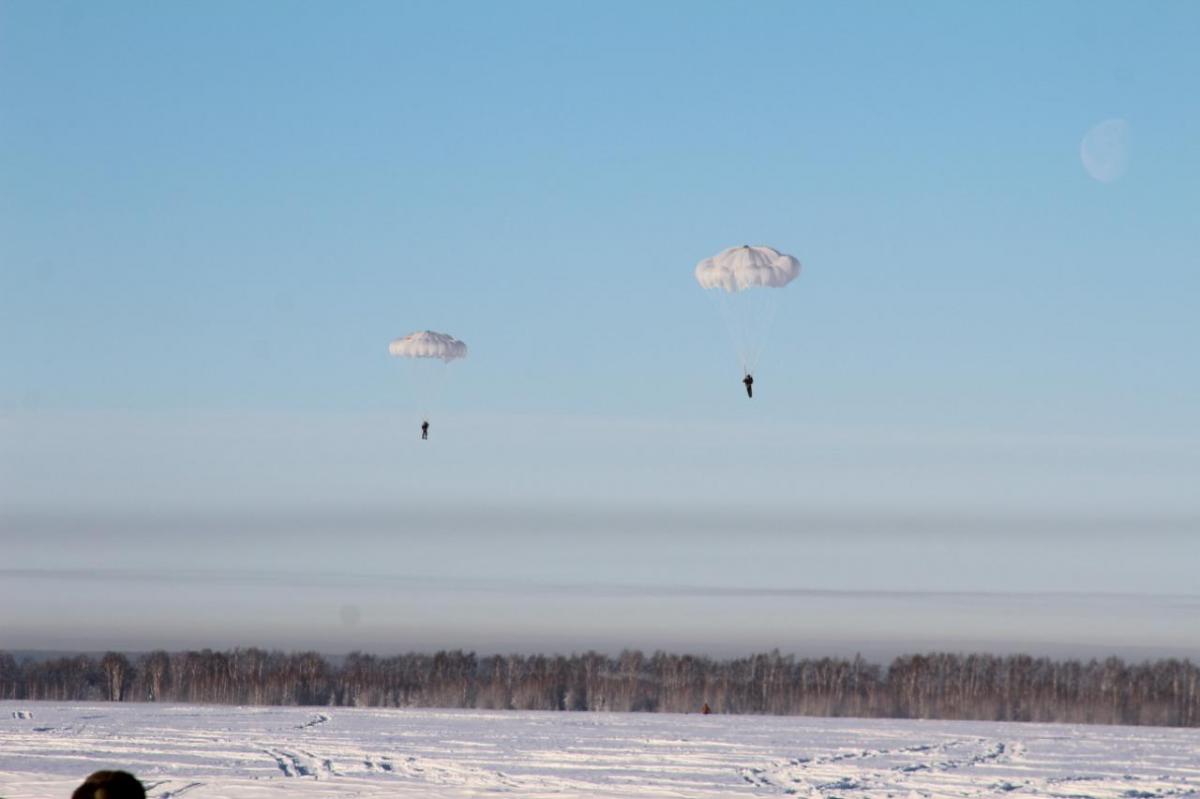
(428, 344)
(740, 268)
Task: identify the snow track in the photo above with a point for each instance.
(195, 752)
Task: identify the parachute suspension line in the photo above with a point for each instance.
(748, 316)
(721, 300)
(765, 315)
(431, 385)
(425, 383)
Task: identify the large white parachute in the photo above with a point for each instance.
(744, 282)
(427, 344)
(741, 268)
(427, 357)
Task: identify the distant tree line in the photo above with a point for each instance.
(934, 686)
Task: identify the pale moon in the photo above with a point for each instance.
(1105, 150)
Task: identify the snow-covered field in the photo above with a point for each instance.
(202, 751)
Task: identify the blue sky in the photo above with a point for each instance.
(214, 217)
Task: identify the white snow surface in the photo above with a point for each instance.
(245, 752)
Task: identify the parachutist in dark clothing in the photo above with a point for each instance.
(424, 431)
(748, 381)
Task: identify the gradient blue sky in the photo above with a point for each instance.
(980, 397)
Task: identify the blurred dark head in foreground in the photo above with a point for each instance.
(110, 785)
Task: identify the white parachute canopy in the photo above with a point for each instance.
(745, 283)
(741, 268)
(427, 356)
(427, 344)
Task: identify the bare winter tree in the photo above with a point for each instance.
(153, 671)
(117, 675)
